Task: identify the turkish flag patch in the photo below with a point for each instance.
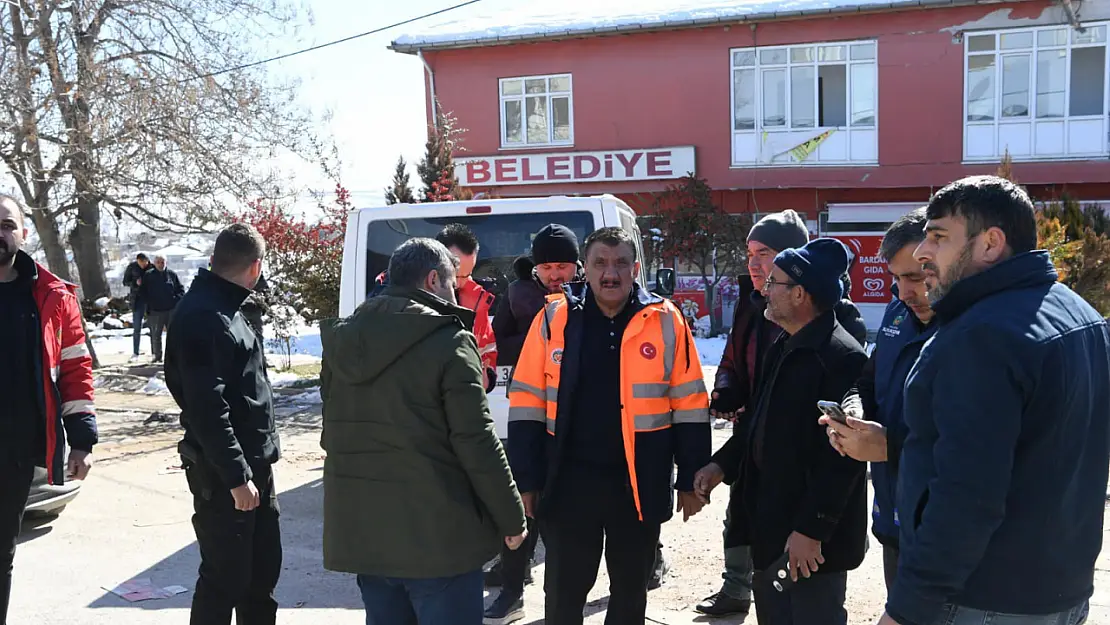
(647, 350)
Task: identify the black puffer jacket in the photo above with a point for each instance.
(522, 302)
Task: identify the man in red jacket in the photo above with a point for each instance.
(47, 384)
(462, 242)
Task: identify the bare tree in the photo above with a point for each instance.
(149, 108)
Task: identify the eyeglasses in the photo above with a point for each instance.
(772, 282)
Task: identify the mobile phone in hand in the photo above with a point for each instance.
(780, 573)
(832, 410)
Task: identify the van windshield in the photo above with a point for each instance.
(501, 240)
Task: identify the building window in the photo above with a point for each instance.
(812, 104)
(1039, 93)
(536, 111)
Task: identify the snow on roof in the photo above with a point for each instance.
(513, 21)
(175, 250)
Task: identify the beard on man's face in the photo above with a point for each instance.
(948, 279)
(7, 254)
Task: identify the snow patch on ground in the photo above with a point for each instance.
(711, 350)
(310, 397)
(156, 386)
(517, 19)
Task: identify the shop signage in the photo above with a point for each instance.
(870, 279)
(608, 166)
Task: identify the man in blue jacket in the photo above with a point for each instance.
(1003, 476)
(875, 429)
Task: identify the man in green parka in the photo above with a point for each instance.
(417, 492)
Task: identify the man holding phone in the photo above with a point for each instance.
(796, 494)
(873, 428)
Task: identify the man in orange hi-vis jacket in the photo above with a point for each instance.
(607, 397)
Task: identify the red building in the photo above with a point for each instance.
(846, 111)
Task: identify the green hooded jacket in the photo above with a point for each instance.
(416, 484)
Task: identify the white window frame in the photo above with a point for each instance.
(1031, 114)
(759, 67)
(524, 144)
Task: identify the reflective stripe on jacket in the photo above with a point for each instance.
(662, 389)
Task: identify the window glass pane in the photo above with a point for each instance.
(772, 57)
(1055, 37)
(1094, 34)
(1088, 80)
(1015, 85)
(743, 58)
(802, 95)
(743, 99)
(511, 87)
(1011, 41)
(513, 127)
(560, 83)
(980, 43)
(980, 88)
(535, 85)
(833, 53)
(537, 119)
(832, 80)
(863, 95)
(801, 55)
(863, 52)
(774, 97)
(560, 115)
(1052, 67)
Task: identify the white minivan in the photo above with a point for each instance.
(504, 227)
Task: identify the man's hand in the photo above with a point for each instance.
(689, 504)
(246, 497)
(78, 465)
(724, 404)
(858, 439)
(529, 500)
(706, 479)
(805, 555)
(886, 620)
(514, 542)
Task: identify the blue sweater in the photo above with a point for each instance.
(1003, 477)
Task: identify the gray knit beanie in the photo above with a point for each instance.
(780, 231)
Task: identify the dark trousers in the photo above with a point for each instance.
(436, 601)
(890, 566)
(138, 309)
(596, 517)
(15, 486)
(515, 564)
(818, 600)
(240, 552)
(158, 322)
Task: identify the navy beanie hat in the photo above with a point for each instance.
(817, 266)
(555, 243)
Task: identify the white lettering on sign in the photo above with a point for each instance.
(873, 270)
(612, 166)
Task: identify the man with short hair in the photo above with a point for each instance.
(46, 383)
(161, 290)
(406, 421)
(875, 428)
(133, 278)
(797, 495)
(462, 242)
(1003, 475)
(215, 371)
(607, 397)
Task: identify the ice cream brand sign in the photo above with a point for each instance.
(610, 166)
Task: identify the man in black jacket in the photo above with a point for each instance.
(215, 371)
(162, 290)
(1002, 479)
(133, 279)
(797, 494)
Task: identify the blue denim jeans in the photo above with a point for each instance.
(138, 310)
(437, 601)
(959, 615)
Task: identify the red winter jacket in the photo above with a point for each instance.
(66, 368)
(471, 295)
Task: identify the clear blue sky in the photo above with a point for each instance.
(376, 96)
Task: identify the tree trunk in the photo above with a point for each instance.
(711, 303)
(46, 226)
(85, 241)
(89, 342)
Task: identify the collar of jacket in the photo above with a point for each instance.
(1021, 271)
(436, 303)
(815, 333)
(226, 291)
(26, 269)
(576, 295)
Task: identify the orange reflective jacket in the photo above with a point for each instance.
(661, 388)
